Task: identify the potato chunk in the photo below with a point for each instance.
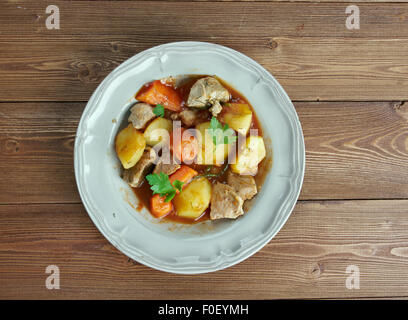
(210, 155)
(129, 145)
(158, 130)
(249, 158)
(194, 199)
(238, 116)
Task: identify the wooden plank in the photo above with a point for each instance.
(69, 68)
(336, 69)
(204, 19)
(36, 152)
(354, 151)
(307, 259)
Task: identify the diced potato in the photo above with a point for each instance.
(221, 153)
(205, 156)
(194, 199)
(210, 155)
(251, 155)
(158, 130)
(238, 116)
(129, 145)
(202, 127)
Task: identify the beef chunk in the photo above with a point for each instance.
(140, 114)
(166, 168)
(207, 92)
(135, 175)
(245, 186)
(225, 202)
(191, 117)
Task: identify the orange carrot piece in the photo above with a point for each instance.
(158, 207)
(184, 174)
(184, 149)
(159, 93)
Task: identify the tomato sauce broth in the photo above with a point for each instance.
(212, 173)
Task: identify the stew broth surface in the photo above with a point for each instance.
(143, 192)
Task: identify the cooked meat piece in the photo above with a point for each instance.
(245, 186)
(225, 202)
(140, 114)
(207, 91)
(166, 168)
(135, 175)
(191, 117)
(216, 108)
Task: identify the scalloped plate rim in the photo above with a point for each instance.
(140, 255)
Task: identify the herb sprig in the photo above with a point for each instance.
(207, 172)
(160, 184)
(158, 110)
(221, 134)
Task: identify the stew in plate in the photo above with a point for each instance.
(193, 149)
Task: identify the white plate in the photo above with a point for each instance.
(168, 246)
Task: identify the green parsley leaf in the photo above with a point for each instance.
(160, 184)
(208, 174)
(215, 124)
(178, 184)
(218, 132)
(158, 110)
(170, 196)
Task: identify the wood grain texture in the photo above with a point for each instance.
(36, 152)
(307, 259)
(306, 46)
(354, 150)
(204, 20)
(66, 68)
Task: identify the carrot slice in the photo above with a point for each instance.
(158, 207)
(184, 174)
(184, 149)
(157, 92)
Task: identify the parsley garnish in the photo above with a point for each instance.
(178, 184)
(218, 132)
(158, 110)
(207, 172)
(160, 184)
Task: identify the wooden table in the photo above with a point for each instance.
(349, 88)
